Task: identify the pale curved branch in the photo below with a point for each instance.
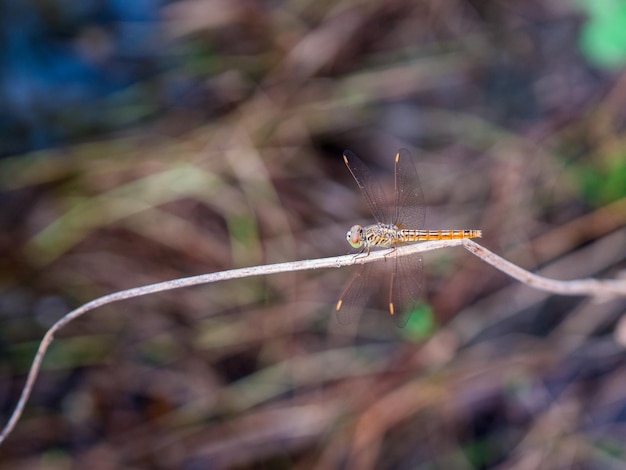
(594, 287)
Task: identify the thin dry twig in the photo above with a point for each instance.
(593, 287)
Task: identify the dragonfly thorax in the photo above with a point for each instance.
(381, 235)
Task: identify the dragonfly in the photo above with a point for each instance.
(397, 224)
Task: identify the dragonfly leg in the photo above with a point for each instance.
(393, 249)
(362, 254)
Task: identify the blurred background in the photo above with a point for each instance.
(145, 141)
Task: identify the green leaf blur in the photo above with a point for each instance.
(421, 323)
(603, 38)
(602, 183)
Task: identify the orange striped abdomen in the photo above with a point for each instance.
(424, 235)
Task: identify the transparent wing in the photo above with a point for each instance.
(405, 286)
(370, 188)
(355, 295)
(409, 210)
(400, 277)
(397, 279)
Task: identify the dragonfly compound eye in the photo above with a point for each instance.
(355, 236)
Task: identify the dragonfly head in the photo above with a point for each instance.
(355, 236)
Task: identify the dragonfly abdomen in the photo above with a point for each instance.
(407, 235)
